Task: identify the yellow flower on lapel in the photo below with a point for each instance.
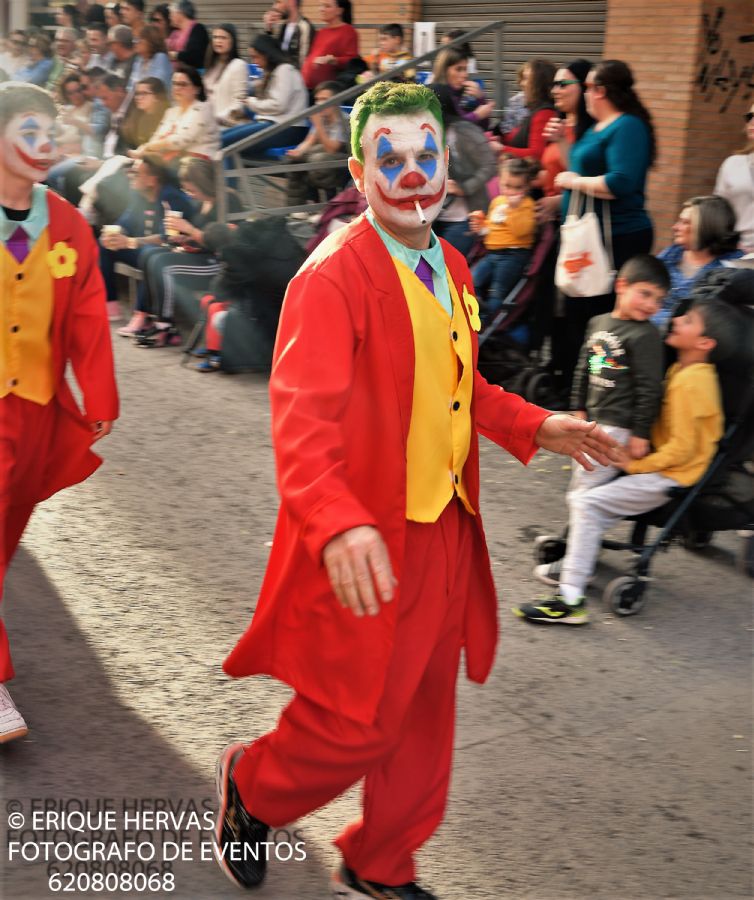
(472, 308)
(62, 260)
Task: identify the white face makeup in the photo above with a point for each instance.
(404, 164)
(27, 146)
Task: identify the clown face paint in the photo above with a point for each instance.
(404, 164)
(27, 146)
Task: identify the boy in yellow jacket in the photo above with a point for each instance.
(684, 440)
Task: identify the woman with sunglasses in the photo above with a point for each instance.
(609, 163)
(188, 128)
(39, 66)
(14, 57)
(160, 18)
(735, 182)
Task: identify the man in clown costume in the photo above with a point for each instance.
(53, 312)
(379, 572)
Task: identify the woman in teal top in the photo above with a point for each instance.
(610, 163)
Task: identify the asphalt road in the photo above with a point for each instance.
(611, 762)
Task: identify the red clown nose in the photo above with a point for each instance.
(413, 180)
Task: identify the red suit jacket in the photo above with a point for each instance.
(81, 334)
(341, 395)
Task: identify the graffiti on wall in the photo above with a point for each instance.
(723, 74)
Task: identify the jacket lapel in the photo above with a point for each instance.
(60, 229)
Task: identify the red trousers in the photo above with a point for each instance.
(405, 756)
(25, 434)
(213, 340)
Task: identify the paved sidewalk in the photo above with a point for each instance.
(611, 762)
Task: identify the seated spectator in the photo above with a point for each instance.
(82, 54)
(188, 127)
(472, 66)
(187, 265)
(68, 16)
(327, 140)
(112, 14)
(290, 29)
(96, 38)
(188, 43)
(452, 68)
(509, 229)
(120, 42)
(528, 140)
(132, 14)
(703, 236)
(735, 182)
(280, 93)
(472, 165)
(151, 60)
(89, 119)
(160, 18)
(333, 46)
(226, 76)
(150, 103)
(63, 62)
(388, 54)
(142, 224)
(515, 111)
(38, 69)
(14, 55)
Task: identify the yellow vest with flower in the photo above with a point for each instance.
(440, 431)
(26, 311)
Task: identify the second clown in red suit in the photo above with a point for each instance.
(379, 573)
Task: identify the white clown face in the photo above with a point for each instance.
(404, 164)
(27, 146)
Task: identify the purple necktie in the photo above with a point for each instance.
(18, 245)
(424, 273)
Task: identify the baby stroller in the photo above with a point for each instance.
(723, 499)
(505, 345)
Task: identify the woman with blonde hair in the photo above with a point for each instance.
(735, 182)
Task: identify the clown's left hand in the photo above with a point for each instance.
(100, 430)
(583, 441)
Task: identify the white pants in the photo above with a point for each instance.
(583, 480)
(594, 511)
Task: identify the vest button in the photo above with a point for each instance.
(455, 478)
(456, 405)
(454, 335)
(13, 382)
(19, 276)
(15, 328)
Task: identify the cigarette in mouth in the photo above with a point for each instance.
(420, 212)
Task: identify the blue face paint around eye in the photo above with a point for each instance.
(385, 148)
(30, 131)
(429, 166)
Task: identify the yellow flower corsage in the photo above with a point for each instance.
(472, 308)
(62, 260)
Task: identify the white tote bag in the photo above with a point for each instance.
(584, 267)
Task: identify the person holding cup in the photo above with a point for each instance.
(141, 225)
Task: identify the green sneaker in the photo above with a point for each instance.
(554, 611)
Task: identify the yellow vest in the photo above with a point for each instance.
(26, 305)
(439, 435)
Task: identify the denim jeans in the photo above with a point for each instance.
(496, 274)
(457, 234)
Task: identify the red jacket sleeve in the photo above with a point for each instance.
(537, 140)
(507, 419)
(310, 386)
(89, 346)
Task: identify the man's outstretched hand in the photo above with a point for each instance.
(583, 441)
(357, 561)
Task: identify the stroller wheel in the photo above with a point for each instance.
(697, 540)
(539, 387)
(548, 548)
(625, 595)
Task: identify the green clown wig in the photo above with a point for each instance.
(389, 99)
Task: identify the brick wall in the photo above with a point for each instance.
(697, 78)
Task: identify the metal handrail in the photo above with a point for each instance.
(339, 100)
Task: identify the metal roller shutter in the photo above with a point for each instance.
(558, 30)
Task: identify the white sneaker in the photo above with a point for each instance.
(12, 724)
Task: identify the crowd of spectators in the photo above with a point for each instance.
(147, 97)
